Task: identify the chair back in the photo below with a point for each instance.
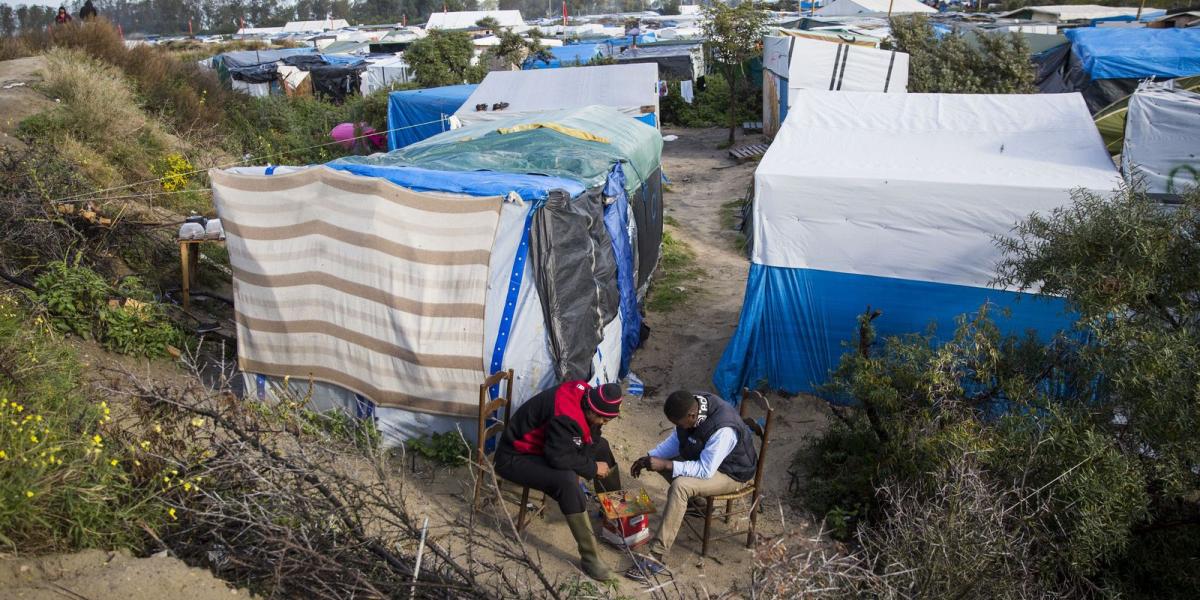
(763, 432)
(491, 422)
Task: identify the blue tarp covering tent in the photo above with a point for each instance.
(1119, 53)
(414, 115)
(570, 55)
(849, 212)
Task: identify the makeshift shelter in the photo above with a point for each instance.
(1162, 140)
(466, 19)
(314, 26)
(383, 71)
(892, 201)
(396, 282)
(1106, 64)
(676, 62)
(414, 115)
(845, 8)
(1069, 13)
(793, 63)
(250, 61)
(631, 89)
(1111, 120)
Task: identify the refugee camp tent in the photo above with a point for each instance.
(414, 115)
(841, 8)
(892, 201)
(1111, 120)
(383, 71)
(571, 55)
(631, 89)
(247, 61)
(1078, 12)
(314, 26)
(1162, 140)
(1106, 64)
(676, 61)
(396, 283)
(466, 19)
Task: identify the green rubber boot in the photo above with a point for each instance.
(581, 528)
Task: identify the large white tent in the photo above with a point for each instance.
(822, 65)
(466, 19)
(629, 88)
(314, 26)
(893, 201)
(844, 8)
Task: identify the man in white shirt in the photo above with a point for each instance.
(711, 452)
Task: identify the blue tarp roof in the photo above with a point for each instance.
(474, 183)
(424, 109)
(1120, 53)
(567, 55)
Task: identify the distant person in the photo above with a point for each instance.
(63, 17)
(88, 11)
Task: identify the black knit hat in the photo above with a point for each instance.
(605, 400)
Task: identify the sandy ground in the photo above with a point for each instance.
(18, 99)
(99, 575)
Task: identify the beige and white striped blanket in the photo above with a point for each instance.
(359, 282)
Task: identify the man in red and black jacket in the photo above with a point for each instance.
(552, 441)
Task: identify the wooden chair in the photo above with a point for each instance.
(752, 490)
(489, 427)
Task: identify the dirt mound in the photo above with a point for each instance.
(18, 99)
(100, 575)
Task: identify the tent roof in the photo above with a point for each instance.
(870, 183)
(311, 26)
(252, 58)
(466, 19)
(623, 87)
(858, 7)
(1119, 53)
(548, 143)
(1076, 12)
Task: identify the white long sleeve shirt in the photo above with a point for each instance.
(715, 450)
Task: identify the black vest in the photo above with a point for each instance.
(715, 413)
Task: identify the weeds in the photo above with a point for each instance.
(676, 270)
(448, 448)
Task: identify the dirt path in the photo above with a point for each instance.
(18, 99)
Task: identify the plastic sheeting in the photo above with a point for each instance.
(893, 201)
(250, 58)
(538, 149)
(1162, 140)
(336, 82)
(818, 65)
(676, 62)
(630, 89)
(621, 231)
(475, 183)
(843, 8)
(414, 115)
(576, 273)
(1118, 53)
(795, 323)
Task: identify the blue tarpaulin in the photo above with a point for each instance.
(616, 221)
(796, 323)
(1119, 53)
(414, 115)
(473, 183)
(567, 56)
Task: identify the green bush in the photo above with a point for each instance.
(709, 107)
(65, 481)
(447, 448)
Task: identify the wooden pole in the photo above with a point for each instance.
(890, 4)
(1139, 12)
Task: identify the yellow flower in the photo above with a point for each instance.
(97, 440)
(157, 428)
(33, 438)
(198, 422)
(28, 494)
(145, 445)
(171, 512)
(3, 454)
(187, 487)
(137, 463)
(113, 462)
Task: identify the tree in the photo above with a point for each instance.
(998, 64)
(513, 49)
(443, 58)
(734, 36)
(8, 21)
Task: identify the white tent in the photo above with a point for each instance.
(314, 26)
(1072, 12)
(629, 88)
(821, 65)
(842, 8)
(466, 19)
(893, 201)
(1161, 139)
(383, 72)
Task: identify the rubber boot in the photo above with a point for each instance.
(581, 528)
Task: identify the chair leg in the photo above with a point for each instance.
(753, 519)
(708, 515)
(524, 507)
(728, 509)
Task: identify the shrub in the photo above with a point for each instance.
(65, 482)
(448, 448)
(998, 64)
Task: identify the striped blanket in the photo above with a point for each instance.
(361, 283)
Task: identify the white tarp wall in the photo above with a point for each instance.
(845, 8)
(383, 72)
(467, 19)
(1162, 139)
(629, 88)
(893, 201)
(819, 65)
